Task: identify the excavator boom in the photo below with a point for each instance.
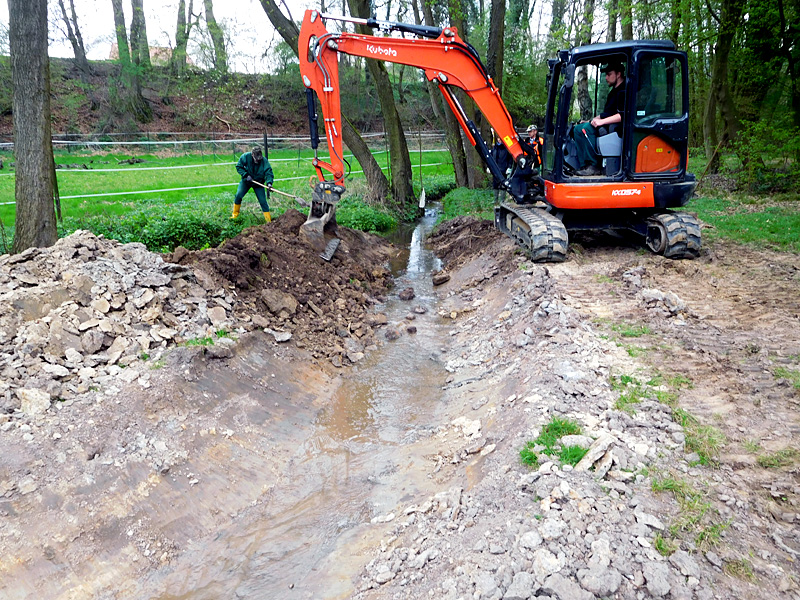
(445, 58)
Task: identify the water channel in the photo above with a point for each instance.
(351, 459)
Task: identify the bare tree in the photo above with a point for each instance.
(452, 130)
(613, 14)
(494, 52)
(35, 170)
(132, 101)
(140, 49)
(476, 175)
(720, 96)
(402, 191)
(217, 38)
(121, 31)
(182, 32)
(581, 77)
(376, 180)
(74, 35)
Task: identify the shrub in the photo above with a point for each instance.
(769, 155)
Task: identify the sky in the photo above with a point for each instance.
(252, 33)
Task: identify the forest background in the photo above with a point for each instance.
(180, 68)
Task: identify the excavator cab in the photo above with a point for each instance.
(651, 142)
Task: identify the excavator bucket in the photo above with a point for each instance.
(322, 214)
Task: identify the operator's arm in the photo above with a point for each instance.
(241, 166)
(599, 121)
(612, 111)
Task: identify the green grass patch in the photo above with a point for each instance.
(631, 392)
(779, 459)
(571, 455)
(751, 221)
(631, 330)
(463, 201)
(793, 375)
(706, 441)
(710, 536)
(664, 546)
(549, 436)
(740, 568)
(752, 446)
(199, 341)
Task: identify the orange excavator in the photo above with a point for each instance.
(640, 163)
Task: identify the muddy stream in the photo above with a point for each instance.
(345, 457)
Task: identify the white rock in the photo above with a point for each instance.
(33, 401)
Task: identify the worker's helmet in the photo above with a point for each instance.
(256, 151)
(532, 128)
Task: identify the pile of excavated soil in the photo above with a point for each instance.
(281, 283)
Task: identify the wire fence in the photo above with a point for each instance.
(421, 143)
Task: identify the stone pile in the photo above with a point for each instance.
(75, 315)
(553, 531)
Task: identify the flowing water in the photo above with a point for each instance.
(343, 460)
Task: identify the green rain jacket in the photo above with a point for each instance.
(261, 172)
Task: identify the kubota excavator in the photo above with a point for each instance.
(642, 162)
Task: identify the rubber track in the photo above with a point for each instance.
(683, 234)
(548, 236)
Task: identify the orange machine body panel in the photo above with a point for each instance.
(599, 195)
(656, 155)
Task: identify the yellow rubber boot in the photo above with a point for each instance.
(268, 217)
(236, 208)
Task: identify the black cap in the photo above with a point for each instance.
(257, 150)
(613, 66)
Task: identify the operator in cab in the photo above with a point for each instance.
(256, 173)
(585, 134)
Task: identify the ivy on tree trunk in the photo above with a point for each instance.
(33, 149)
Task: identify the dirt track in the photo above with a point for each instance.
(199, 484)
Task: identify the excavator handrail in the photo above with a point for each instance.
(447, 61)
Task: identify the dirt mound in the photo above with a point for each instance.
(459, 240)
(282, 284)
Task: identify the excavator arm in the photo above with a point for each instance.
(445, 58)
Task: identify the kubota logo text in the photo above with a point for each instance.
(380, 50)
(628, 192)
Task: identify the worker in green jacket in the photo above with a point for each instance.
(254, 169)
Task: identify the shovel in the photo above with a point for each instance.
(297, 199)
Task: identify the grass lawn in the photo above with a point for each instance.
(113, 192)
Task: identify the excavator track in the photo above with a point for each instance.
(674, 234)
(539, 233)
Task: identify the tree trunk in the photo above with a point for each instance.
(788, 42)
(720, 92)
(584, 38)
(217, 37)
(74, 35)
(140, 48)
(33, 149)
(476, 175)
(675, 23)
(497, 34)
(613, 13)
(452, 133)
(376, 180)
(556, 37)
(402, 191)
(122, 33)
(626, 12)
(131, 100)
(182, 31)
